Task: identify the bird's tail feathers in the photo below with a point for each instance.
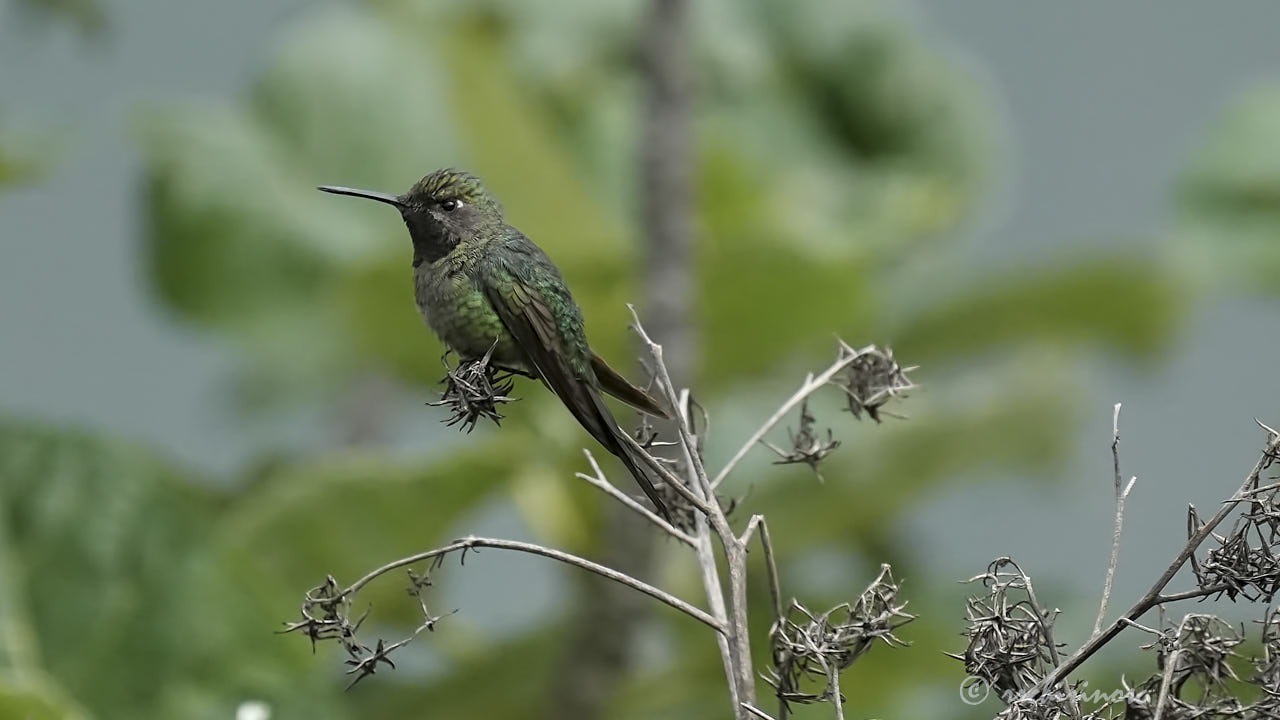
(612, 382)
(594, 415)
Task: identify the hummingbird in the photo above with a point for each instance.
(484, 288)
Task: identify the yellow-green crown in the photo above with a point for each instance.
(457, 184)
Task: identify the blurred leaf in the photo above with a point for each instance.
(1113, 302)
(88, 15)
(857, 132)
(543, 192)
(35, 701)
(1230, 198)
(883, 95)
(112, 557)
(344, 514)
(347, 514)
(692, 688)
(509, 680)
(15, 169)
(1238, 169)
(1003, 420)
(762, 298)
(239, 238)
(98, 537)
(25, 154)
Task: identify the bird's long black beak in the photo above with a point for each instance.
(369, 194)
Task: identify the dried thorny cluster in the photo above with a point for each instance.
(869, 379)
(1200, 672)
(1245, 562)
(1194, 658)
(807, 647)
(807, 446)
(1011, 646)
(326, 615)
(474, 390)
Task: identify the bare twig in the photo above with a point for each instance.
(472, 542)
(775, 589)
(714, 591)
(810, 385)
(1045, 618)
(600, 481)
(735, 552)
(1171, 662)
(667, 476)
(874, 378)
(1122, 494)
(683, 422)
(837, 701)
(756, 711)
(1190, 594)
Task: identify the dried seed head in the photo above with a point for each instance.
(1246, 561)
(474, 389)
(809, 647)
(1193, 671)
(326, 616)
(807, 446)
(1266, 666)
(1010, 639)
(1199, 648)
(871, 380)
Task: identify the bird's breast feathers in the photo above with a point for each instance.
(458, 312)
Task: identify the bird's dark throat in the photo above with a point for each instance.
(430, 243)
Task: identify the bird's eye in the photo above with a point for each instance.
(451, 204)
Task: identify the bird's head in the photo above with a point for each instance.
(441, 210)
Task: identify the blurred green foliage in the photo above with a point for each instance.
(24, 156)
(839, 156)
(1229, 220)
(88, 16)
(14, 169)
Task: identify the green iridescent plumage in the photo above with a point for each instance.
(481, 285)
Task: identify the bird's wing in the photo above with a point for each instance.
(526, 315)
(524, 311)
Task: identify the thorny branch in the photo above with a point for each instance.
(1153, 596)
(466, 544)
(871, 378)
(597, 479)
(1011, 647)
(806, 644)
(326, 616)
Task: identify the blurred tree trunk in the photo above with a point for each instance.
(612, 616)
(667, 172)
